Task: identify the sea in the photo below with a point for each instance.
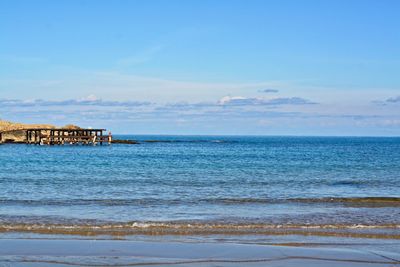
(194, 187)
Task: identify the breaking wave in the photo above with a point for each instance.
(203, 228)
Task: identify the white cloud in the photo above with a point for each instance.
(268, 91)
(113, 85)
(280, 114)
(90, 100)
(246, 101)
(391, 122)
(231, 99)
(393, 99)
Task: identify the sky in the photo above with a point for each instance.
(203, 67)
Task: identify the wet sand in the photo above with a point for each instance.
(53, 252)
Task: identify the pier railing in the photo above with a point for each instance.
(61, 136)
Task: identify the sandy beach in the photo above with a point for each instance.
(34, 252)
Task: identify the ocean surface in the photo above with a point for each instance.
(201, 185)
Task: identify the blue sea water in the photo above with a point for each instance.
(224, 180)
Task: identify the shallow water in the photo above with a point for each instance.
(27, 252)
(213, 182)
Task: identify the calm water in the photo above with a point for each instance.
(202, 184)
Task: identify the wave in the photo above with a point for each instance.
(196, 228)
(384, 201)
(356, 201)
(365, 201)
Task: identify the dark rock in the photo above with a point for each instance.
(128, 142)
(159, 141)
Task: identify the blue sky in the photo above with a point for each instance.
(203, 67)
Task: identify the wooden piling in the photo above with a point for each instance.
(61, 136)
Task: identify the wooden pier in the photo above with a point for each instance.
(61, 136)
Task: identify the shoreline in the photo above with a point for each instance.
(63, 226)
(193, 230)
(31, 252)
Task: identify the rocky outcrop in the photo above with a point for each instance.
(17, 136)
(12, 132)
(12, 126)
(71, 127)
(126, 142)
